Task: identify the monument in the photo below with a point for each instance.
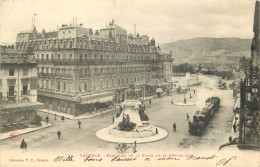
(131, 123)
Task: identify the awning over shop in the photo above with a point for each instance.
(159, 90)
(152, 84)
(99, 97)
(21, 107)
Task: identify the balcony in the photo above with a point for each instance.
(53, 75)
(15, 59)
(93, 61)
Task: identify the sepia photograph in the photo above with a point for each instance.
(129, 83)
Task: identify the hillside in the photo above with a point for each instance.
(209, 50)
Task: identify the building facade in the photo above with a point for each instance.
(249, 131)
(78, 67)
(18, 89)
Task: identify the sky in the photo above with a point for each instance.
(165, 20)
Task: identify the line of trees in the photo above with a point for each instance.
(183, 68)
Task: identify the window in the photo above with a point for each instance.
(58, 56)
(80, 57)
(85, 87)
(47, 57)
(52, 56)
(25, 71)
(42, 56)
(70, 44)
(11, 72)
(58, 85)
(11, 91)
(71, 56)
(64, 86)
(25, 89)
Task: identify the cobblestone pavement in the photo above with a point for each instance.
(161, 113)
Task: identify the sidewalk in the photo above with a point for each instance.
(84, 116)
(87, 115)
(23, 131)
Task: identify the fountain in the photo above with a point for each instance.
(131, 124)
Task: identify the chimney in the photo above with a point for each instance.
(43, 32)
(90, 31)
(97, 32)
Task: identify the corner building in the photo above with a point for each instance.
(81, 71)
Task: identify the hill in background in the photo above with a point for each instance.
(226, 51)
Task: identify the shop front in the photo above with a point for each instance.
(18, 115)
(95, 102)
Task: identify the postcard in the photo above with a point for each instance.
(129, 83)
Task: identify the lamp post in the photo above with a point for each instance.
(184, 98)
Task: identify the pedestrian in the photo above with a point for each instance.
(150, 101)
(194, 91)
(172, 101)
(62, 118)
(134, 147)
(188, 117)
(189, 123)
(156, 130)
(121, 109)
(59, 134)
(113, 119)
(55, 116)
(79, 123)
(174, 127)
(47, 119)
(23, 145)
(230, 139)
(235, 128)
(190, 96)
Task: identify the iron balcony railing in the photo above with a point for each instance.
(92, 61)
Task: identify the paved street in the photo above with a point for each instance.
(161, 113)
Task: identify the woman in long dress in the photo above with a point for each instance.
(23, 145)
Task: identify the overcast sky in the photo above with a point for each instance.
(166, 20)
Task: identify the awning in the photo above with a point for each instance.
(99, 97)
(159, 90)
(21, 107)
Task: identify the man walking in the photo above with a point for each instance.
(150, 101)
(174, 127)
(59, 134)
(230, 139)
(79, 123)
(55, 116)
(134, 147)
(188, 117)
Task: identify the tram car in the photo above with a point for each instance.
(202, 118)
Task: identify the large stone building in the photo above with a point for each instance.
(78, 67)
(250, 91)
(18, 89)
